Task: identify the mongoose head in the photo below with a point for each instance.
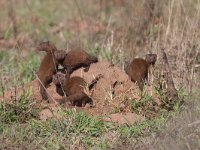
(46, 46)
(151, 58)
(60, 55)
(60, 78)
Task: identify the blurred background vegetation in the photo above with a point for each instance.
(114, 30)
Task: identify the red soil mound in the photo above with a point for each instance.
(112, 93)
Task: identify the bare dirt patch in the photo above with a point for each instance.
(123, 118)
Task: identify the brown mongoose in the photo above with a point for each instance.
(73, 88)
(138, 69)
(48, 66)
(75, 59)
(60, 56)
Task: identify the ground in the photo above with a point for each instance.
(116, 32)
(107, 99)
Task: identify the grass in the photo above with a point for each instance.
(20, 111)
(16, 70)
(29, 132)
(20, 124)
(129, 31)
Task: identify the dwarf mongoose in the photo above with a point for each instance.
(73, 88)
(138, 69)
(48, 66)
(60, 56)
(75, 59)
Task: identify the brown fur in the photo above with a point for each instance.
(48, 66)
(60, 56)
(73, 87)
(46, 46)
(76, 59)
(138, 69)
(151, 59)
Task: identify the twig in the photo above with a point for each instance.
(107, 31)
(171, 90)
(44, 87)
(194, 123)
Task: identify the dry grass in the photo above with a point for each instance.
(116, 31)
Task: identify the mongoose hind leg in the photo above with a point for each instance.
(88, 63)
(43, 92)
(59, 90)
(87, 100)
(86, 69)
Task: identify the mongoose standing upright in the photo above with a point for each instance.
(48, 66)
